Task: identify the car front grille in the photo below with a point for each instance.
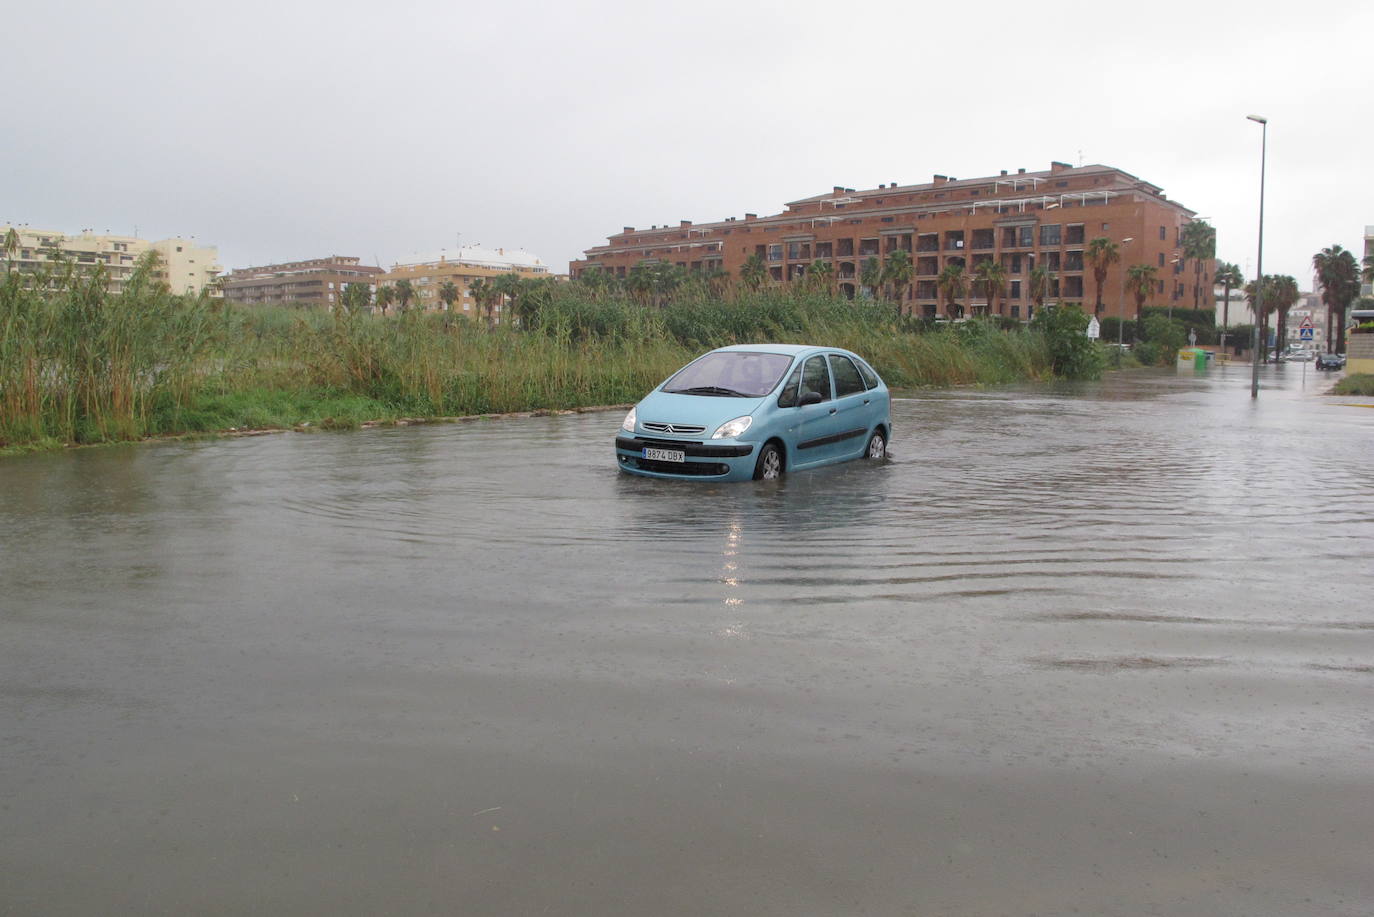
(697, 469)
(679, 429)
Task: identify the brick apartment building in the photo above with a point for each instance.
(317, 282)
(1021, 220)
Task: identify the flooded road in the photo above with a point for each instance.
(1104, 649)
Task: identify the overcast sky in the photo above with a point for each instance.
(289, 130)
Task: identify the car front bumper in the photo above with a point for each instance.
(723, 460)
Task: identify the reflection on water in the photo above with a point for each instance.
(1004, 669)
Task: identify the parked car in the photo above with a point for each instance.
(756, 411)
(1330, 361)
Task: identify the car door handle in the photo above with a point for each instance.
(833, 410)
(865, 401)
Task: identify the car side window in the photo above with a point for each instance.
(847, 378)
(869, 375)
(789, 396)
(816, 378)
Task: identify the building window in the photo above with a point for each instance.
(1162, 234)
(1050, 234)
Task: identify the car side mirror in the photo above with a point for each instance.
(810, 398)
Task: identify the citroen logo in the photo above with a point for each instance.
(668, 428)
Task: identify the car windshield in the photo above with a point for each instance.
(730, 373)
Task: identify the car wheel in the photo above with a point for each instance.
(877, 446)
(769, 466)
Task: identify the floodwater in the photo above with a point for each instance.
(1102, 650)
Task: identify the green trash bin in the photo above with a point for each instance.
(1200, 361)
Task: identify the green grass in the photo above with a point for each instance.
(1357, 384)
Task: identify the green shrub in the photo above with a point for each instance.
(1169, 335)
(1072, 353)
(1148, 353)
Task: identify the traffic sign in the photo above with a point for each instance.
(1305, 333)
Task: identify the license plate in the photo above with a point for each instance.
(665, 455)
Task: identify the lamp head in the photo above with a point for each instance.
(1257, 119)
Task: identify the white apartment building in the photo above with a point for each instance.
(185, 266)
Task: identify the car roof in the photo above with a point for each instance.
(788, 349)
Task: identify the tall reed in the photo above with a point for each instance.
(78, 365)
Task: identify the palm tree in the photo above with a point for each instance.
(1339, 276)
(506, 286)
(481, 293)
(1140, 281)
(1041, 282)
(385, 297)
(897, 274)
(990, 279)
(596, 278)
(1275, 293)
(1199, 242)
(717, 281)
(752, 272)
(357, 297)
(448, 294)
(1230, 277)
(952, 284)
(11, 247)
(822, 276)
(1102, 254)
(667, 278)
(871, 275)
(640, 282)
(404, 292)
(1285, 294)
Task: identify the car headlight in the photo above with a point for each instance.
(628, 424)
(732, 428)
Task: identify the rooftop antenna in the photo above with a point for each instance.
(1080, 159)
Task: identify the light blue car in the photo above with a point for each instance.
(755, 411)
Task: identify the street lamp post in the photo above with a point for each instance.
(1121, 305)
(1259, 259)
